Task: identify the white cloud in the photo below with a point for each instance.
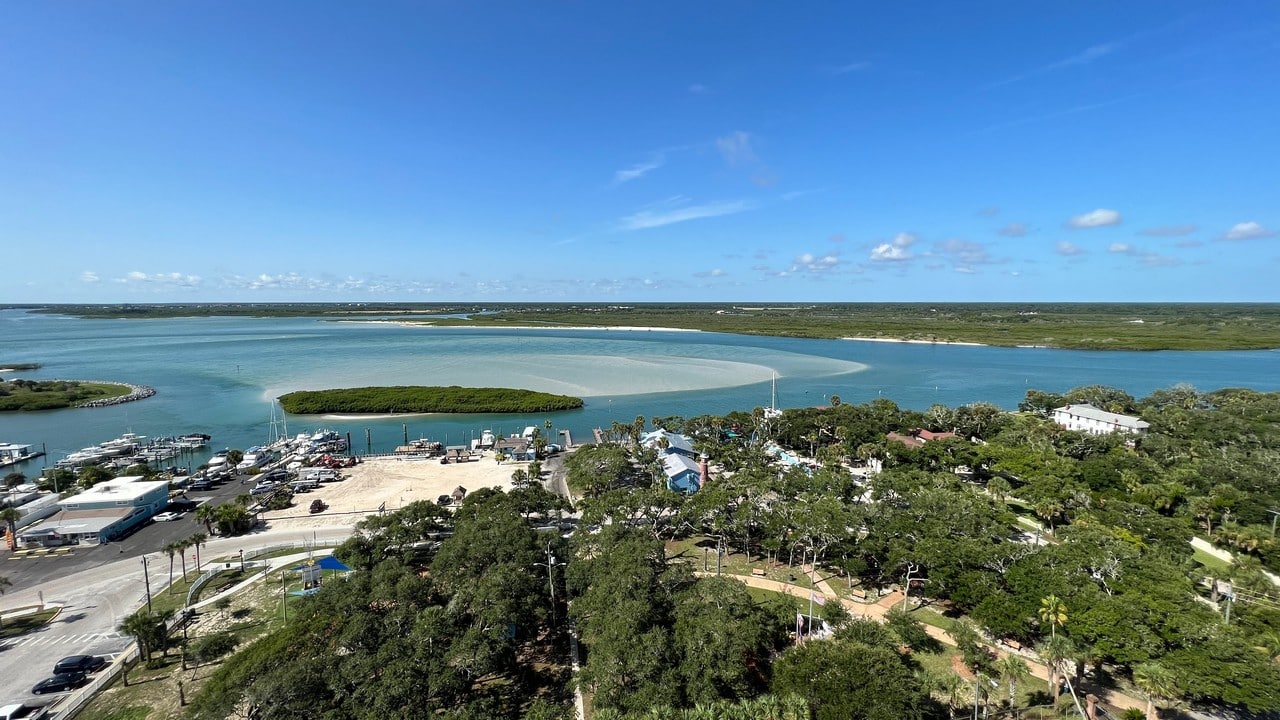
(1068, 249)
(1247, 231)
(736, 148)
(816, 263)
(895, 250)
(651, 219)
(1098, 218)
(89, 276)
(1121, 248)
(637, 171)
(712, 273)
(698, 89)
(166, 279)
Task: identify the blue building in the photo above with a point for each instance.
(103, 512)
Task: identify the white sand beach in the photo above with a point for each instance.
(395, 482)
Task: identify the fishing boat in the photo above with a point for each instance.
(13, 453)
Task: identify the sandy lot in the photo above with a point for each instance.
(395, 482)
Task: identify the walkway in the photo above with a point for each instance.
(877, 611)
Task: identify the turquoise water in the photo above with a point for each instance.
(218, 375)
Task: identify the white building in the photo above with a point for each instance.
(1089, 419)
(103, 512)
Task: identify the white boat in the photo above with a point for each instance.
(13, 453)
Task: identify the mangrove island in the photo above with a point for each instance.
(423, 399)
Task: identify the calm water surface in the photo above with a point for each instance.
(218, 375)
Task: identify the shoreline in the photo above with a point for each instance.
(921, 342)
(621, 328)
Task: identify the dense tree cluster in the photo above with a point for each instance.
(1013, 510)
(417, 631)
(421, 399)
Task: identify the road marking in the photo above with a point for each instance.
(60, 639)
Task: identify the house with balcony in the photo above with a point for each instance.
(1086, 418)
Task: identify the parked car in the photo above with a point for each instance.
(79, 663)
(202, 484)
(444, 500)
(276, 475)
(23, 711)
(167, 516)
(61, 682)
(318, 506)
(264, 488)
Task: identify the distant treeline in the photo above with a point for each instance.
(20, 366)
(422, 399)
(1083, 326)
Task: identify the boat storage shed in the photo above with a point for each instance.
(103, 512)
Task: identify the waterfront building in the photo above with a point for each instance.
(103, 512)
(1096, 421)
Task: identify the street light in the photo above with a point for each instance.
(550, 565)
(146, 578)
(1275, 514)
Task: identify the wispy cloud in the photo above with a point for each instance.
(1067, 248)
(657, 218)
(736, 148)
(1013, 230)
(638, 171)
(698, 89)
(896, 250)
(1151, 259)
(847, 68)
(1087, 56)
(1247, 231)
(963, 253)
(712, 273)
(1096, 218)
(89, 276)
(1170, 230)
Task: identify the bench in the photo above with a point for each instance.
(858, 593)
(1013, 644)
(757, 572)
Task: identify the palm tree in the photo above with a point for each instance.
(10, 517)
(1013, 670)
(181, 546)
(149, 629)
(1156, 682)
(999, 487)
(950, 686)
(1053, 612)
(205, 514)
(171, 549)
(1054, 651)
(197, 540)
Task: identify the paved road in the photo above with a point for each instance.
(102, 587)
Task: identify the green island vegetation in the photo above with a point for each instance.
(20, 366)
(54, 394)
(1039, 565)
(424, 399)
(1086, 326)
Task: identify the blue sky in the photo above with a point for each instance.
(639, 151)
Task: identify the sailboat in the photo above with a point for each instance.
(772, 411)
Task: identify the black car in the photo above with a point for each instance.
(79, 663)
(61, 682)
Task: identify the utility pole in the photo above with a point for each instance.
(146, 578)
(1275, 515)
(551, 582)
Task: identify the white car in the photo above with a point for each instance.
(167, 516)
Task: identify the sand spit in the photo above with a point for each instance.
(914, 342)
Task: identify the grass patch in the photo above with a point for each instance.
(1210, 562)
(26, 623)
(54, 394)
